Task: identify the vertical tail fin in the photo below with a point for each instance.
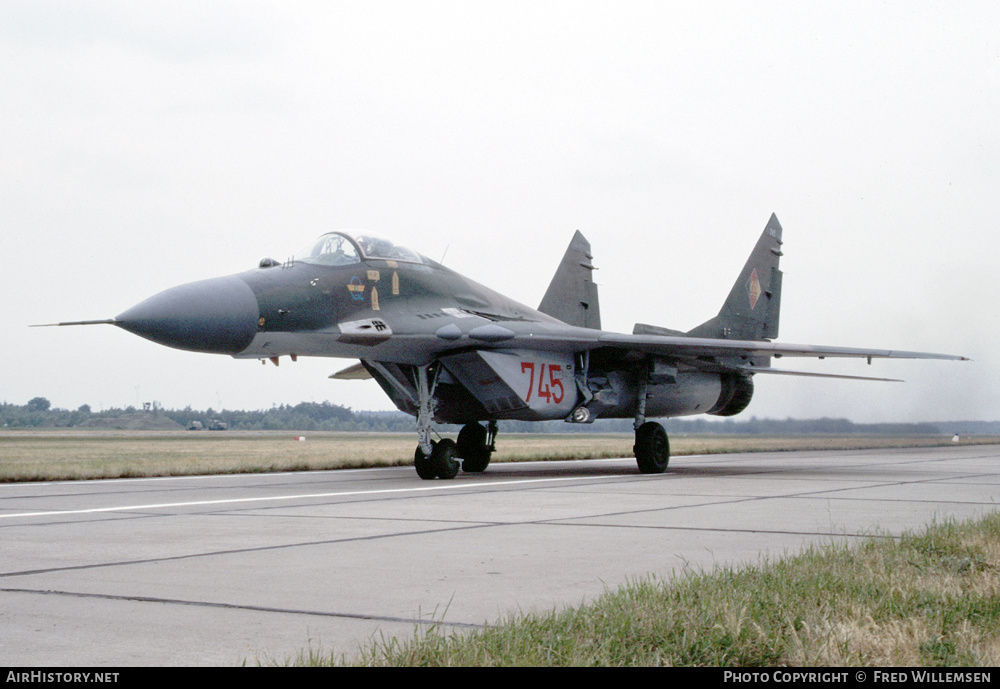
(572, 294)
(751, 310)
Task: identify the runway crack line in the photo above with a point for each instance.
(825, 494)
(254, 608)
(237, 551)
(718, 529)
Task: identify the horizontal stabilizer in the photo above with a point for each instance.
(780, 372)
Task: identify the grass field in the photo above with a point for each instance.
(73, 455)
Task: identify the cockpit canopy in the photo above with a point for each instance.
(341, 249)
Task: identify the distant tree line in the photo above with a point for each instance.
(306, 416)
(326, 416)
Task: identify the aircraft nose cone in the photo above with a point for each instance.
(218, 316)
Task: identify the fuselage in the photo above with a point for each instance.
(368, 299)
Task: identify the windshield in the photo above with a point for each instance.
(339, 249)
(330, 250)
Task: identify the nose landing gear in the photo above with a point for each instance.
(442, 462)
(474, 447)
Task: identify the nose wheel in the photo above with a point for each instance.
(442, 462)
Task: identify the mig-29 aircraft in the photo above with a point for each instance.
(446, 349)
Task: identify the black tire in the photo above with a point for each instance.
(652, 448)
(424, 464)
(472, 448)
(444, 459)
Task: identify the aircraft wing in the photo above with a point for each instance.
(688, 347)
(682, 347)
(709, 354)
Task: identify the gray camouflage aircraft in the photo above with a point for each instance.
(446, 349)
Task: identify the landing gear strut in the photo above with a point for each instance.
(432, 459)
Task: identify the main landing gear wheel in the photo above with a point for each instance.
(472, 448)
(652, 448)
(441, 464)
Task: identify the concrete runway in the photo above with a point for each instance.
(218, 570)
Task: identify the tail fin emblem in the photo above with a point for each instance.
(753, 289)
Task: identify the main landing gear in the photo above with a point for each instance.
(652, 448)
(474, 447)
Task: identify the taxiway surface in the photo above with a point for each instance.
(225, 569)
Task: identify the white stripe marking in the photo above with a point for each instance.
(308, 496)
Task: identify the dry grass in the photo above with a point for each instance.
(934, 600)
(35, 456)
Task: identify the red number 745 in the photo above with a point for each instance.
(551, 390)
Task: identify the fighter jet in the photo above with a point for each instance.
(446, 349)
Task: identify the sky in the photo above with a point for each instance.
(145, 145)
